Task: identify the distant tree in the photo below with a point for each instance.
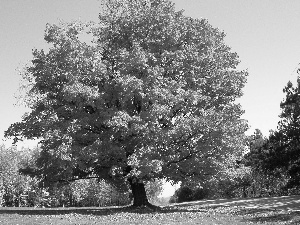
(153, 96)
(92, 192)
(153, 189)
(258, 151)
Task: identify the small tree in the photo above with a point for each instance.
(265, 161)
(153, 96)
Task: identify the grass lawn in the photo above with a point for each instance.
(281, 210)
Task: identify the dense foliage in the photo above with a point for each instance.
(267, 178)
(12, 184)
(276, 159)
(186, 194)
(152, 96)
(279, 155)
(285, 142)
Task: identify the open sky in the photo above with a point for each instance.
(264, 33)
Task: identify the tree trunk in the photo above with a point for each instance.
(139, 193)
(244, 192)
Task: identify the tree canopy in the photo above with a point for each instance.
(152, 96)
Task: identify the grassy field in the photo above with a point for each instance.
(281, 210)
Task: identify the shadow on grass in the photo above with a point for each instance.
(271, 210)
(274, 203)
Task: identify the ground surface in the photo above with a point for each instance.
(278, 210)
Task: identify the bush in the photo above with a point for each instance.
(184, 194)
(91, 192)
(201, 193)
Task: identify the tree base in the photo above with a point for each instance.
(145, 207)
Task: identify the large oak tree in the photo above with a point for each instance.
(152, 96)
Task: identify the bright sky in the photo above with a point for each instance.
(264, 33)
